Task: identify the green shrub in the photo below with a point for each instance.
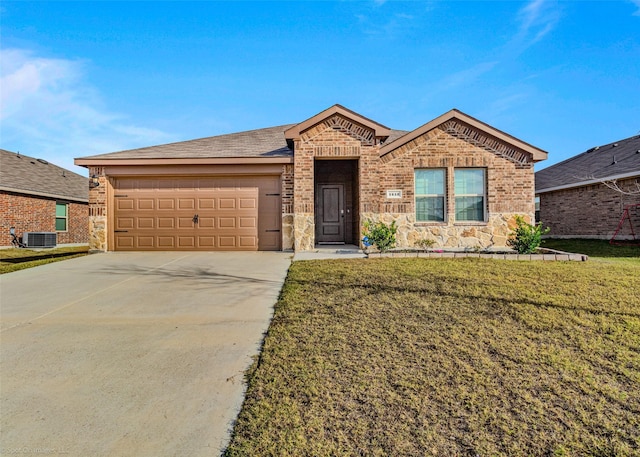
(380, 235)
(526, 238)
(425, 243)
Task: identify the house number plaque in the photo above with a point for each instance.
(394, 194)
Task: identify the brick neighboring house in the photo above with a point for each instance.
(37, 196)
(575, 203)
(455, 180)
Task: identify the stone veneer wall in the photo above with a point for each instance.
(287, 208)
(589, 211)
(98, 212)
(492, 234)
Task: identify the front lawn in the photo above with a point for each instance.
(413, 357)
(593, 248)
(18, 259)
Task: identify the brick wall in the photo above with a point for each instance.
(509, 175)
(38, 214)
(589, 211)
(510, 183)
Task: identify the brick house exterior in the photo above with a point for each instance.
(32, 190)
(575, 202)
(331, 173)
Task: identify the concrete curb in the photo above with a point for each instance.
(547, 255)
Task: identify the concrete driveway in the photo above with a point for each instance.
(131, 354)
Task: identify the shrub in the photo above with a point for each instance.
(380, 235)
(425, 243)
(526, 238)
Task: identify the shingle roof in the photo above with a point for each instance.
(23, 174)
(600, 162)
(269, 142)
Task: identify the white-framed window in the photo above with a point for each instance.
(62, 216)
(430, 185)
(469, 189)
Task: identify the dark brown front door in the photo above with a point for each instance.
(330, 213)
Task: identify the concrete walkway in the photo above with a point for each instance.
(131, 354)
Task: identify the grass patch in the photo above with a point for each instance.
(410, 357)
(19, 259)
(592, 248)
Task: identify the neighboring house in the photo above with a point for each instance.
(37, 196)
(455, 180)
(575, 201)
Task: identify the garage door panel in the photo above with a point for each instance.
(145, 241)
(146, 222)
(166, 242)
(166, 223)
(207, 222)
(166, 204)
(206, 203)
(124, 204)
(227, 203)
(247, 241)
(185, 222)
(227, 242)
(186, 203)
(146, 204)
(227, 222)
(233, 213)
(125, 242)
(124, 223)
(247, 222)
(207, 241)
(186, 241)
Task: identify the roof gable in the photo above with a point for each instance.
(610, 161)
(474, 131)
(339, 117)
(28, 175)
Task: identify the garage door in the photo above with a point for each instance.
(204, 213)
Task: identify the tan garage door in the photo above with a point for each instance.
(203, 213)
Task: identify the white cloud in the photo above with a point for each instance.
(48, 110)
(537, 19)
(467, 76)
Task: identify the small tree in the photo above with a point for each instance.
(380, 235)
(526, 238)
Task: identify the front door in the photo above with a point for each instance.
(330, 213)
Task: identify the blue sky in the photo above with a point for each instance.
(83, 78)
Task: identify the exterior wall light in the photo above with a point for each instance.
(94, 181)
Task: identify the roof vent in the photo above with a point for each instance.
(615, 145)
(42, 161)
(614, 161)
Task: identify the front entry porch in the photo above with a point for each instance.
(336, 202)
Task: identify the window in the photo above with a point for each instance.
(61, 217)
(430, 186)
(469, 189)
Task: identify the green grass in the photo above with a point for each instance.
(592, 248)
(10, 259)
(413, 357)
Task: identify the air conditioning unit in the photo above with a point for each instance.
(40, 239)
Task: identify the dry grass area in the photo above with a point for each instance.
(415, 357)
